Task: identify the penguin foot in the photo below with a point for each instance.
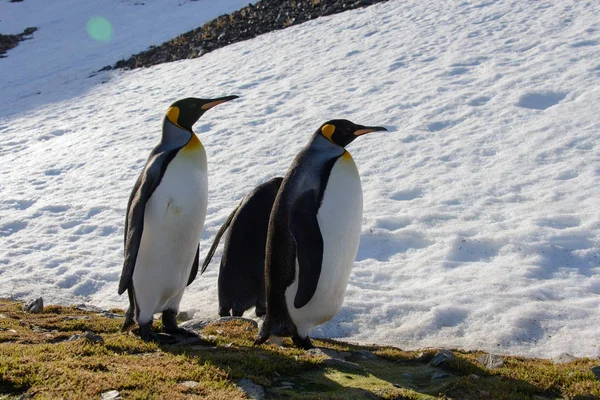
(169, 321)
(224, 311)
(237, 313)
(303, 343)
(260, 340)
(260, 310)
(146, 331)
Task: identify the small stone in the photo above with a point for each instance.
(596, 371)
(2, 316)
(88, 307)
(439, 375)
(87, 335)
(287, 384)
(317, 352)
(491, 361)
(183, 316)
(35, 306)
(563, 358)
(252, 390)
(442, 357)
(338, 363)
(76, 318)
(189, 384)
(263, 357)
(277, 340)
(111, 395)
(195, 324)
(110, 315)
(365, 355)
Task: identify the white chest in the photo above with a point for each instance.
(339, 218)
(173, 222)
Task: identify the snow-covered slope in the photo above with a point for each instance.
(53, 66)
(482, 205)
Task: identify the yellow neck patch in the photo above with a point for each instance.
(173, 115)
(193, 144)
(346, 156)
(327, 131)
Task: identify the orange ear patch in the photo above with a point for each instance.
(173, 115)
(327, 131)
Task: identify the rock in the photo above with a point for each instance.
(563, 358)
(277, 340)
(76, 318)
(247, 23)
(250, 321)
(439, 375)
(596, 371)
(441, 358)
(87, 335)
(317, 352)
(338, 363)
(189, 384)
(7, 42)
(491, 361)
(88, 308)
(263, 357)
(184, 316)
(110, 315)
(324, 351)
(35, 306)
(286, 384)
(111, 395)
(196, 324)
(365, 355)
(252, 390)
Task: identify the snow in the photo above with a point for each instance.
(481, 226)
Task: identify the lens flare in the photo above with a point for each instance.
(99, 29)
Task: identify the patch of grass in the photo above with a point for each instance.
(36, 359)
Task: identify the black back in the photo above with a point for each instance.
(241, 274)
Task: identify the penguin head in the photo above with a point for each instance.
(184, 113)
(342, 132)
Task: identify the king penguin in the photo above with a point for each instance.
(242, 270)
(165, 218)
(313, 236)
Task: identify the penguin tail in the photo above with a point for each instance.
(218, 236)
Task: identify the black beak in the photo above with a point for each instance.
(215, 102)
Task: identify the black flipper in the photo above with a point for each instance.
(309, 246)
(194, 270)
(143, 189)
(218, 236)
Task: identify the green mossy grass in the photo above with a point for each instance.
(37, 361)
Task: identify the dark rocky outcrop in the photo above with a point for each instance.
(247, 23)
(7, 42)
